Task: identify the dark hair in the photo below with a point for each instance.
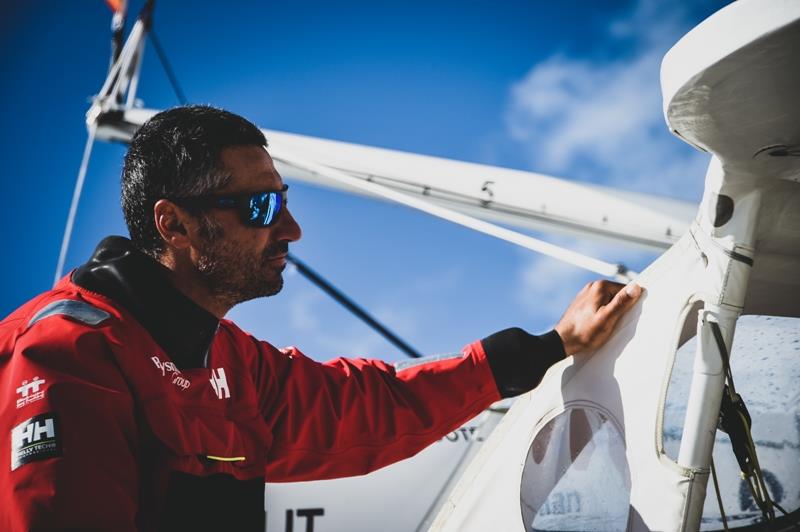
(177, 154)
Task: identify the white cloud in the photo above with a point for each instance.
(600, 120)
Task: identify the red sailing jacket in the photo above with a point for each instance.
(91, 390)
(105, 431)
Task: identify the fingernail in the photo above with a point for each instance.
(633, 289)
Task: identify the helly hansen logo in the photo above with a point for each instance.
(35, 439)
(220, 383)
(29, 392)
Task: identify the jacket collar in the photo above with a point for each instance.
(141, 285)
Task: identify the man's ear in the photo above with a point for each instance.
(172, 223)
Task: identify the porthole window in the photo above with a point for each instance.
(576, 476)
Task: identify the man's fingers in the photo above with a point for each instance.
(622, 301)
(612, 289)
(633, 291)
(592, 315)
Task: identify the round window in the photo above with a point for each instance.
(576, 475)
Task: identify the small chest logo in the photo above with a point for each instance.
(35, 439)
(29, 392)
(220, 383)
(170, 370)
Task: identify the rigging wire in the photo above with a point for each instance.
(162, 57)
(76, 195)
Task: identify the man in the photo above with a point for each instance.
(138, 406)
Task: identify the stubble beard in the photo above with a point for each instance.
(233, 276)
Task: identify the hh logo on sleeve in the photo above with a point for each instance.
(35, 439)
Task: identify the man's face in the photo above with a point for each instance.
(240, 262)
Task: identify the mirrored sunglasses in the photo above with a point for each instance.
(256, 209)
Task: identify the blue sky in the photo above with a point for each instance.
(571, 90)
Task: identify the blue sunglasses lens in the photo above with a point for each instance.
(264, 208)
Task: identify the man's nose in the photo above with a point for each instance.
(288, 228)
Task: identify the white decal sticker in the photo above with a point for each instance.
(29, 392)
(169, 369)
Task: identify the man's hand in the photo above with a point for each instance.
(592, 315)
